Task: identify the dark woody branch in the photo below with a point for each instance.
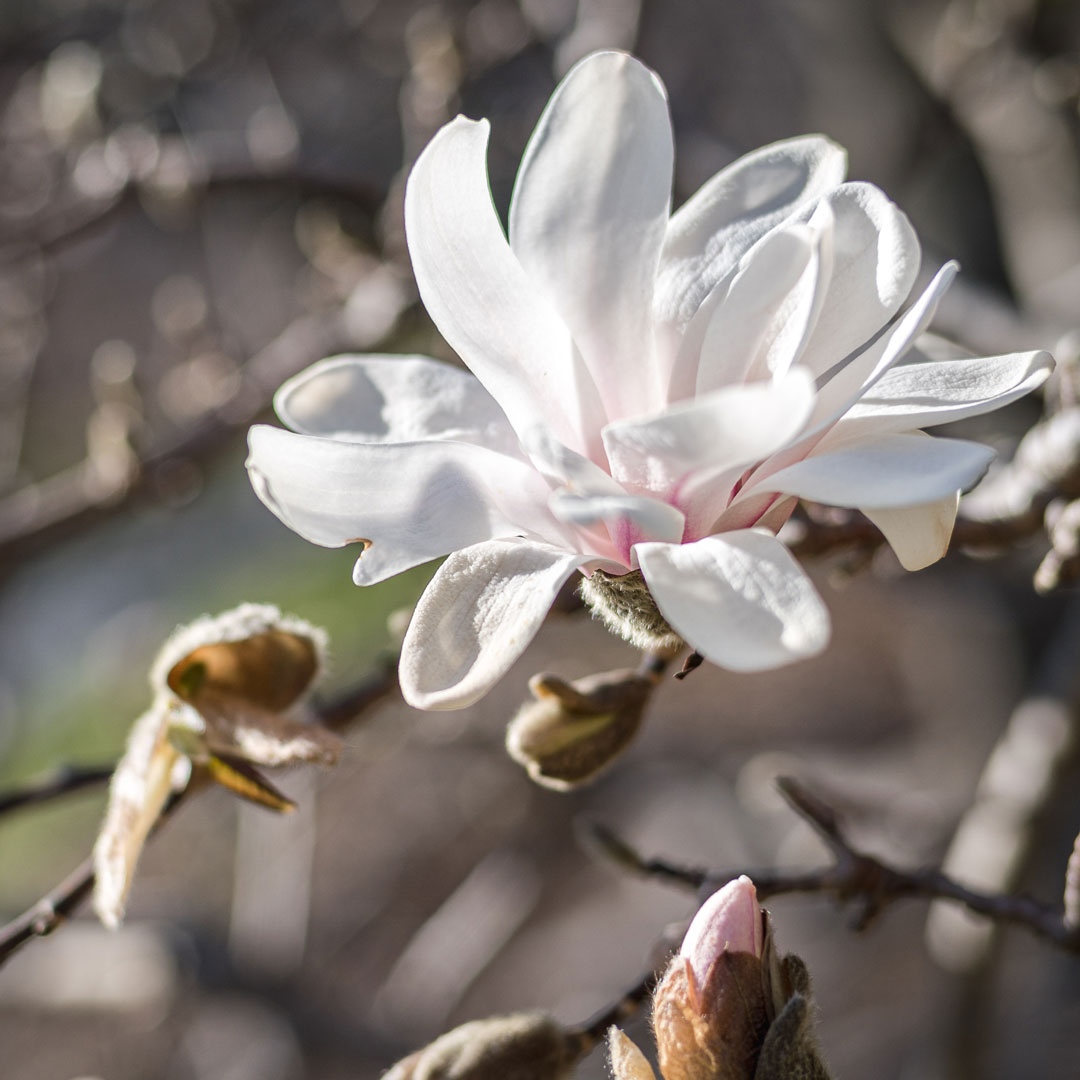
(854, 876)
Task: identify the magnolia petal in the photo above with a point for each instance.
(562, 466)
(734, 426)
(481, 299)
(933, 392)
(588, 215)
(393, 399)
(476, 617)
(416, 501)
(629, 518)
(739, 330)
(919, 535)
(712, 231)
(875, 260)
(883, 473)
(847, 384)
(739, 598)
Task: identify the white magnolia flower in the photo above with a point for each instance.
(649, 393)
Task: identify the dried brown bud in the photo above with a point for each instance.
(572, 731)
(229, 692)
(523, 1046)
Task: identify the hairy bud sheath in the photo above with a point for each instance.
(524, 1046)
(624, 604)
(571, 731)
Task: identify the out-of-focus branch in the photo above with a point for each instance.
(853, 876)
(58, 229)
(62, 781)
(973, 58)
(991, 843)
(41, 514)
(44, 916)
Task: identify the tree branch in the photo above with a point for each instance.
(853, 876)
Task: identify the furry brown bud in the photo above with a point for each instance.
(523, 1046)
(572, 730)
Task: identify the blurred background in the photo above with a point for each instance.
(199, 198)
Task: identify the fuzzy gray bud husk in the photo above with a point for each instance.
(523, 1046)
(572, 731)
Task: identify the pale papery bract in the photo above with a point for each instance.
(646, 391)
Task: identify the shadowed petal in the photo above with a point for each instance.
(739, 598)
(393, 399)
(886, 472)
(875, 259)
(405, 502)
(588, 215)
(476, 617)
(712, 231)
(919, 535)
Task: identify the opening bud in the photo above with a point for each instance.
(728, 1007)
(230, 693)
(572, 731)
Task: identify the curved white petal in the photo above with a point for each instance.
(933, 392)
(886, 472)
(393, 399)
(745, 324)
(739, 598)
(919, 535)
(588, 215)
(405, 502)
(481, 299)
(476, 617)
(734, 426)
(712, 231)
(848, 383)
(875, 260)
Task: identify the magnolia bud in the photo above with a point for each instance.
(524, 1046)
(728, 1008)
(626, 607)
(572, 731)
(710, 1011)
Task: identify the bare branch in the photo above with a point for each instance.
(853, 876)
(61, 781)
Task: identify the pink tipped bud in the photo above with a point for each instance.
(711, 1009)
(729, 921)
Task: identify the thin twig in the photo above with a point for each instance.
(853, 876)
(58, 782)
(595, 1030)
